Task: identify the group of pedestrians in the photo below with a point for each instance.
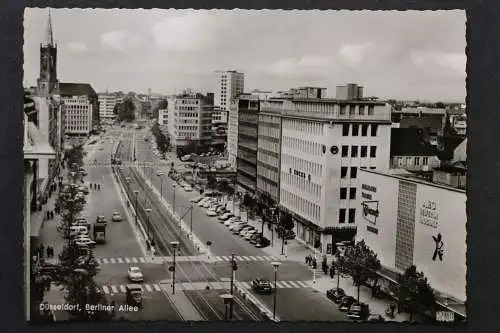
(311, 261)
(94, 186)
(49, 215)
(45, 252)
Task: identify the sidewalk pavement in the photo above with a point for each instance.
(296, 250)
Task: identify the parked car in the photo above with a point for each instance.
(262, 285)
(375, 318)
(225, 216)
(135, 274)
(335, 294)
(188, 188)
(248, 235)
(255, 238)
(100, 219)
(262, 242)
(196, 200)
(116, 217)
(346, 303)
(237, 226)
(211, 213)
(358, 311)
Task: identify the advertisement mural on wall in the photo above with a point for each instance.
(370, 208)
(440, 238)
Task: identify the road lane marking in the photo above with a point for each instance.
(253, 258)
(134, 260)
(239, 258)
(105, 289)
(122, 288)
(127, 260)
(148, 288)
(293, 284)
(260, 258)
(114, 289)
(226, 258)
(157, 287)
(120, 260)
(246, 258)
(286, 284)
(303, 284)
(279, 284)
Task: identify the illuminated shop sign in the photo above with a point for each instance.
(428, 214)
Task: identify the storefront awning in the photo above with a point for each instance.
(35, 144)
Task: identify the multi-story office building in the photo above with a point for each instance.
(163, 119)
(232, 132)
(229, 84)
(190, 119)
(107, 104)
(246, 156)
(324, 144)
(351, 91)
(81, 106)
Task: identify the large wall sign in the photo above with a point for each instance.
(428, 214)
(370, 211)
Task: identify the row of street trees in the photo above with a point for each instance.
(359, 261)
(162, 140)
(125, 110)
(75, 271)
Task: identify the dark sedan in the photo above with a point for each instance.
(335, 294)
(346, 303)
(262, 285)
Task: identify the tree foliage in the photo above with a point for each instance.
(75, 156)
(162, 140)
(125, 110)
(211, 182)
(162, 105)
(286, 221)
(415, 291)
(361, 263)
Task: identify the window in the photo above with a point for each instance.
(342, 109)
(342, 215)
(345, 129)
(363, 167)
(370, 110)
(373, 151)
(343, 193)
(351, 109)
(352, 193)
(354, 151)
(345, 151)
(354, 172)
(374, 130)
(361, 110)
(352, 215)
(364, 151)
(372, 168)
(343, 172)
(355, 130)
(364, 130)
(425, 161)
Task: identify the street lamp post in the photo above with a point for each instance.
(136, 206)
(234, 268)
(173, 202)
(175, 245)
(160, 174)
(276, 265)
(228, 301)
(148, 211)
(191, 221)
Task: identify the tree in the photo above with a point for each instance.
(285, 224)
(414, 291)
(126, 110)
(361, 263)
(162, 105)
(75, 155)
(211, 182)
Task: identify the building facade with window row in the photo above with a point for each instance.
(324, 144)
(229, 84)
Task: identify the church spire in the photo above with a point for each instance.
(49, 36)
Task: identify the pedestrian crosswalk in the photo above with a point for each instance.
(158, 260)
(212, 285)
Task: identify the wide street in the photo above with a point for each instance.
(294, 278)
(121, 240)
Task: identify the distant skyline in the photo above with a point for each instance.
(405, 55)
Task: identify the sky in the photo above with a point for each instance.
(392, 54)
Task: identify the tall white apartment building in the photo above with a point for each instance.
(79, 113)
(163, 119)
(324, 144)
(229, 84)
(190, 119)
(232, 133)
(107, 104)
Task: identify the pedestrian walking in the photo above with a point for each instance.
(332, 272)
(48, 252)
(307, 260)
(47, 215)
(99, 187)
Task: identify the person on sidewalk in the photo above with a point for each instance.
(332, 271)
(48, 252)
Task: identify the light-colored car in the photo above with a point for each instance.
(197, 199)
(245, 230)
(206, 204)
(116, 217)
(211, 213)
(249, 234)
(188, 189)
(202, 202)
(237, 225)
(134, 274)
(84, 242)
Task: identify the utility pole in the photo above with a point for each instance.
(234, 268)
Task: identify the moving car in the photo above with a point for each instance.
(358, 311)
(335, 294)
(262, 242)
(188, 189)
(100, 219)
(116, 217)
(346, 303)
(134, 294)
(134, 274)
(262, 285)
